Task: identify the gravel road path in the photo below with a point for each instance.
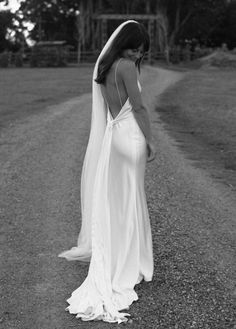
(193, 223)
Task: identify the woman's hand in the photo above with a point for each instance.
(151, 152)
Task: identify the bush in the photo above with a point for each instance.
(175, 56)
(33, 58)
(224, 61)
(186, 54)
(50, 57)
(18, 59)
(4, 59)
(47, 57)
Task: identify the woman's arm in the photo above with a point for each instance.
(129, 76)
(142, 118)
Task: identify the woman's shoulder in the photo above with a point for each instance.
(126, 63)
(126, 66)
(123, 63)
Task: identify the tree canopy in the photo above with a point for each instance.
(210, 22)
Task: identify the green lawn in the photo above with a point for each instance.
(25, 91)
(200, 112)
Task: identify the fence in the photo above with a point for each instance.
(51, 59)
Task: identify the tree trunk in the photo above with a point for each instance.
(176, 28)
(163, 26)
(80, 30)
(147, 7)
(178, 25)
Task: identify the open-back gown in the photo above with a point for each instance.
(121, 234)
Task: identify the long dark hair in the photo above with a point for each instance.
(131, 36)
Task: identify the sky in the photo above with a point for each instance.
(13, 5)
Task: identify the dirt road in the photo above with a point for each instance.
(193, 222)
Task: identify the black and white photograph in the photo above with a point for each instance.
(118, 164)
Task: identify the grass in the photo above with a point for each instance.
(24, 92)
(200, 113)
(180, 67)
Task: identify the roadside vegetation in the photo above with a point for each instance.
(24, 92)
(200, 113)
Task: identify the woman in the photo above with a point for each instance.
(115, 235)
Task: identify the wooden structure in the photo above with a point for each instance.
(94, 24)
(150, 21)
(59, 45)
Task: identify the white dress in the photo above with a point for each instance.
(121, 234)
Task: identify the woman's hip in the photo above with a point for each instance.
(128, 140)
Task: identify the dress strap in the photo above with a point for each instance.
(116, 81)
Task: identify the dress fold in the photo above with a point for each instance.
(121, 235)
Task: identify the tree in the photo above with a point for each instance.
(226, 31)
(7, 23)
(184, 18)
(53, 20)
(177, 19)
(203, 20)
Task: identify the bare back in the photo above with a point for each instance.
(114, 91)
